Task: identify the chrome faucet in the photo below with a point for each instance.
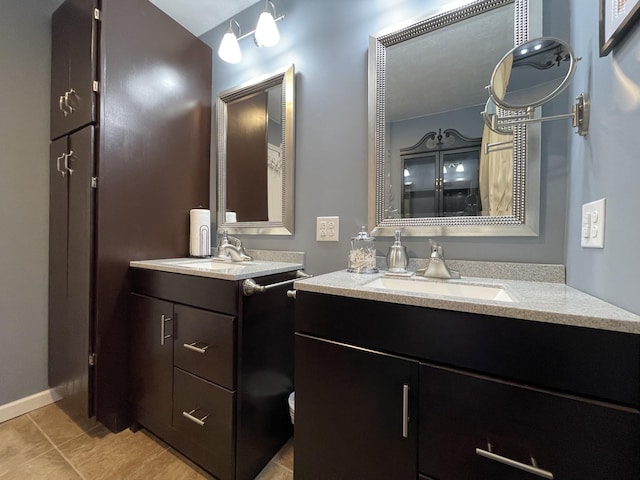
(437, 267)
(231, 249)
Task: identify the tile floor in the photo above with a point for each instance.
(47, 444)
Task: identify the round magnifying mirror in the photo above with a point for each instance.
(532, 73)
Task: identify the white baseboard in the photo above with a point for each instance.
(26, 404)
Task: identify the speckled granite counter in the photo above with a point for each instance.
(264, 263)
(537, 301)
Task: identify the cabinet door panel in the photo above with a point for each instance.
(73, 66)
(151, 361)
(71, 260)
(349, 415)
(204, 344)
(567, 436)
(59, 331)
(80, 281)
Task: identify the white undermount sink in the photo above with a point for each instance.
(208, 264)
(422, 285)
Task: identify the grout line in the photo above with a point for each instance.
(57, 449)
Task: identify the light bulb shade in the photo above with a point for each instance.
(267, 34)
(229, 50)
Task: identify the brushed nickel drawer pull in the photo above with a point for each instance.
(192, 346)
(163, 321)
(533, 469)
(199, 421)
(61, 157)
(405, 411)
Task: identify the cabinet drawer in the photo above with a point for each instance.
(205, 344)
(461, 414)
(203, 417)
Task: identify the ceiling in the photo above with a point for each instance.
(200, 16)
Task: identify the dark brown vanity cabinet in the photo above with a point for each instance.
(212, 368)
(495, 398)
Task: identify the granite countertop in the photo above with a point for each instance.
(264, 263)
(532, 300)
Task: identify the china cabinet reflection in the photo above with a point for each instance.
(441, 176)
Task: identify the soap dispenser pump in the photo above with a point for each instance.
(397, 258)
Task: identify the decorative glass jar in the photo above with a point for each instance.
(362, 257)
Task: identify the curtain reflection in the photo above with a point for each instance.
(496, 166)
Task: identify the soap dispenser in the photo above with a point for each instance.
(362, 257)
(397, 258)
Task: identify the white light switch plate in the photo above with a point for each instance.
(327, 229)
(593, 223)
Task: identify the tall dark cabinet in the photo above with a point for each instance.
(130, 131)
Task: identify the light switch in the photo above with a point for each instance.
(593, 216)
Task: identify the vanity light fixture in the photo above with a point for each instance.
(229, 50)
(266, 34)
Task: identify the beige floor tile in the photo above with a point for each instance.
(170, 465)
(20, 441)
(58, 425)
(285, 456)
(273, 471)
(100, 454)
(50, 465)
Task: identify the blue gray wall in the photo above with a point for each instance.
(328, 43)
(606, 164)
(25, 59)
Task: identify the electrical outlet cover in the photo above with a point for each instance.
(327, 229)
(593, 224)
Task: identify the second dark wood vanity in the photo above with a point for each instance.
(385, 390)
(212, 368)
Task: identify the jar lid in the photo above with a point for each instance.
(363, 235)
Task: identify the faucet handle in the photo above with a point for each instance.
(223, 238)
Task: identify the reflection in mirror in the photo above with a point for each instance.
(427, 87)
(532, 73)
(256, 156)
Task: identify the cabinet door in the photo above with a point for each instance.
(474, 427)
(58, 225)
(152, 362)
(71, 280)
(73, 66)
(355, 413)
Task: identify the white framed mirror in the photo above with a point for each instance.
(256, 155)
(427, 79)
